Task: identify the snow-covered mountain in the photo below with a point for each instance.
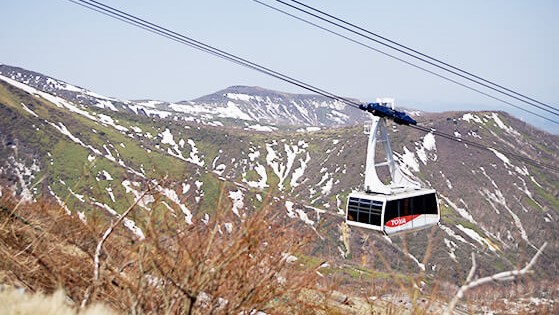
(95, 154)
(250, 107)
(276, 108)
(60, 88)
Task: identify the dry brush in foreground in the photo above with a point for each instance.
(226, 265)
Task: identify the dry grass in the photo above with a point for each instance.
(387, 290)
(229, 265)
(15, 302)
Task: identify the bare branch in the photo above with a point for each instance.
(472, 270)
(97, 257)
(501, 276)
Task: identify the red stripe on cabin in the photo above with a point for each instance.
(401, 220)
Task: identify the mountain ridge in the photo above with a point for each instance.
(265, 106)
(96, 158)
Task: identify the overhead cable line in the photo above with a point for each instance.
(423, 55)
(159, 30)
(407, 62)
(416, 57)
(169, 34)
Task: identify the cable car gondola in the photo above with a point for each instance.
(399, 206)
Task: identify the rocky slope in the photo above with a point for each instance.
(96, 154)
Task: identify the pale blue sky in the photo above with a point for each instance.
(514, 43)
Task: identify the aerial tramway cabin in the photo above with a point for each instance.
(390, 214)
(400, 206)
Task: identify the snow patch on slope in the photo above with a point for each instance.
(239, 97)
(29, 110)
(498, 198)
(476, 237)
(128, 223)
(501, 157)
(463, 212)
(472, 117)
(194, 158)
(428, 144)
(260, 184)
(408, 160)
(300, 171)
(420, 265)
(259, 127)
(453, 234)
(142, 199)
(502, 125)
(452, 248)
(172, 195)
(274, 161)
(237, 199)
(167, 137)
(289, 208)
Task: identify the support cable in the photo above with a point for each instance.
(554, 112)
(156, 29)
(424, 55)
(409, 63)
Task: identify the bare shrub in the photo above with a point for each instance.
(230, 265)
(227, 265)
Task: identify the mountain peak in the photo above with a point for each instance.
(243, 90)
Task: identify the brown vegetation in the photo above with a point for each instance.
(228, 265)
(223, 264)
(15, 302)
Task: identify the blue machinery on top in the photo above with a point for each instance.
(381, 109)
(401, 205)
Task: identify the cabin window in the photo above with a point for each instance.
(426, 204)
(405, 207)
(364, 211)
(431, 206)
(392, 210)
